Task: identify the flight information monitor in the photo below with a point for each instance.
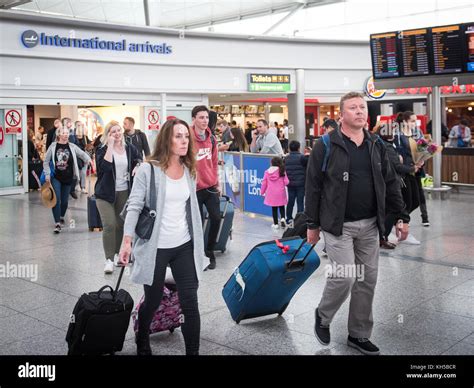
(469, 40)
(414, 49)
(385, 63)
(447, 46)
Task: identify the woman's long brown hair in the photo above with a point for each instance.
(163, 145)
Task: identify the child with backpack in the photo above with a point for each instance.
(274, 185)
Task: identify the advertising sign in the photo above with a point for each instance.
(232, 178)
(253, 170)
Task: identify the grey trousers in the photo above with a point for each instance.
(354, 260)
(112, 232)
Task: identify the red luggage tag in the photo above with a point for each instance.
(284, 248)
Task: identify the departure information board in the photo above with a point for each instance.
(469, 40)
(385, 62)
(414, 46)
(447, 49)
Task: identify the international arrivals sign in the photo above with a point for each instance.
(269, 83)
(31, 39)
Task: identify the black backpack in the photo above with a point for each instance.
(299, 227)
(99, 321)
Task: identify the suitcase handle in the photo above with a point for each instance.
(298, 250)
(102, 290)
(113, 291)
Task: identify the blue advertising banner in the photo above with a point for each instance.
(253, 170)
(232, 179)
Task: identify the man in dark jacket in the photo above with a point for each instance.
(295, 164)
(51, 136)
(348, 201)
(136, 137)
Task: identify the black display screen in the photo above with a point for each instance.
(414, 49)
(469, 41)
(385, 63)
(447, 48)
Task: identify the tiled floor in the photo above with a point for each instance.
(424, 301)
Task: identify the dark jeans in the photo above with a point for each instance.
(275, 213)
(421, 195)
(210, 198)
(410, 193)
(181, 261)
(73, 185)
(295, 193)
(390, 221)
(62, 196)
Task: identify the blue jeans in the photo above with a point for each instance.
(62, 196)
(295, 193)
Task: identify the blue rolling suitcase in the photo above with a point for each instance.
(225, 228)
(267, 279)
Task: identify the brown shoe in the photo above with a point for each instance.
(384, 244)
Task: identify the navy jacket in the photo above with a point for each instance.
(105, 185)
(295, 165)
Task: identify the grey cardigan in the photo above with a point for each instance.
(76, 152)
(144, 252)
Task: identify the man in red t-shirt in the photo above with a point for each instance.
(208, 187)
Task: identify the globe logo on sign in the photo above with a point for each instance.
(29, 39)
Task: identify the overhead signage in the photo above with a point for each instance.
(459, 89)
(435, 51)
(12, 122)
(31, 39)
(269, 83)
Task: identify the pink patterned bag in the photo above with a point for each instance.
(167, 317)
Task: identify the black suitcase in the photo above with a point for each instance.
(99, 321)
(225, 227)
(93, 215)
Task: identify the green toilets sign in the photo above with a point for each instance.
(269, 83)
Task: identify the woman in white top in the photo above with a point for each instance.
(177, 237)
(116, 163)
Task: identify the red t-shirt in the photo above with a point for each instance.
(206, 156)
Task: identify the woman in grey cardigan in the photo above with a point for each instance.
(177, 237)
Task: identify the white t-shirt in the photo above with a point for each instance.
(121, 171)
(174, 226)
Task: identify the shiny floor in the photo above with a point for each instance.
(424, 301)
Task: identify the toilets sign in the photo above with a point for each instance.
(30, 39)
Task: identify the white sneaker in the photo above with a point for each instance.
(275, 228)
(283, 223)
(410, 240)
(116, 261)
(84, 191)
(290, 224)
(109, 266)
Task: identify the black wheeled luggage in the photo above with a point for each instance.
(99, 321)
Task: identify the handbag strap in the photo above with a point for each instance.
(152, 189)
